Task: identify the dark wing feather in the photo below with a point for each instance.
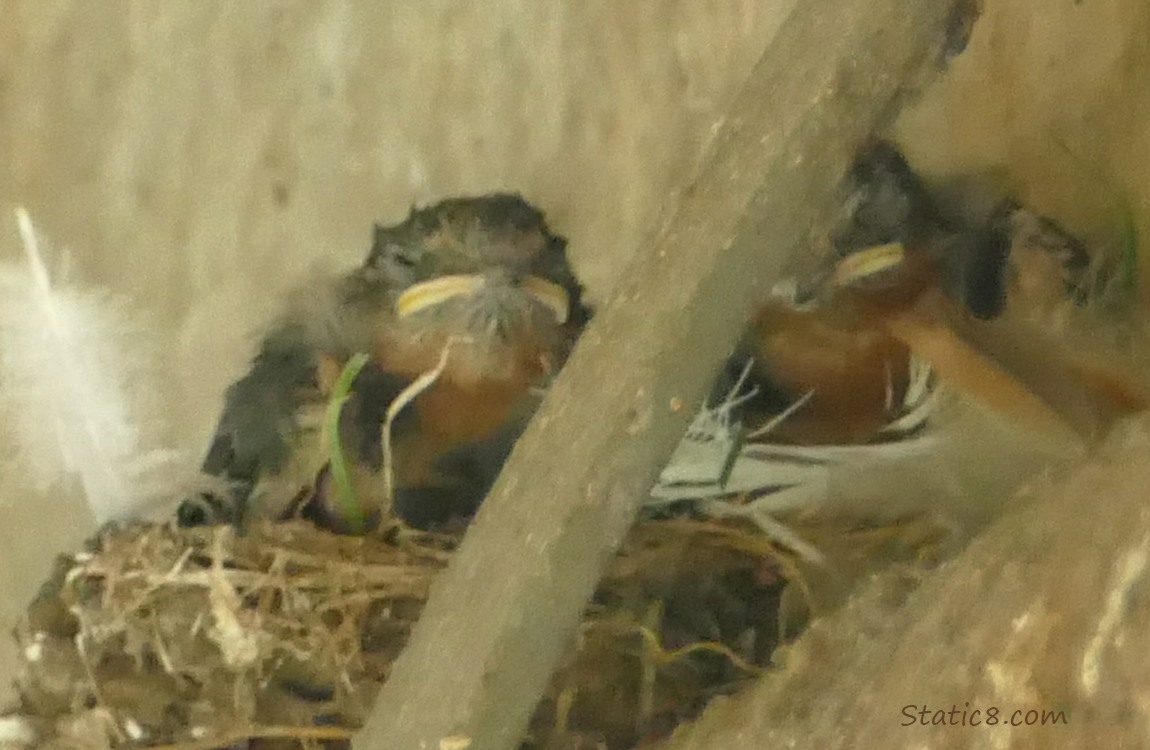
(255, 433)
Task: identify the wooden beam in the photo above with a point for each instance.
(501, 615)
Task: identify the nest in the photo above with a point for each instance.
(200, 638)
(162, 635)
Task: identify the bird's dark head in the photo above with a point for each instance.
(486, 271)
(884, 208)
(884, 202)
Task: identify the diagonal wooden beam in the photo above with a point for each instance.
(501, 615)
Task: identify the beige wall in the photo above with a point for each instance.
(1055, 96)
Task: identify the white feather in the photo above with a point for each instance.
(942, 456)
(794, 476)
(711, 466)
(70, 360)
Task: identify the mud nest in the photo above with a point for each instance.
(201, 638)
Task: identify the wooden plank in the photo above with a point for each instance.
(500, 617)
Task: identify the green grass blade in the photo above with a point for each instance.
(348, 504)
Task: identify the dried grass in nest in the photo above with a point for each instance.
(199, 638)
(199, 635)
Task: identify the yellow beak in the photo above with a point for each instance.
(867, 263)
(442, 288)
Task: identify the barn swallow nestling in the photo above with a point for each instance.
(903, 277)
(828, 336)
(481, 283)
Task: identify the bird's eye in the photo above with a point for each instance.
(404, 257)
